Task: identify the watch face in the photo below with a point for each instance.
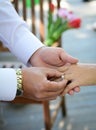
(19, 93)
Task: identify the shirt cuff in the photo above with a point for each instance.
(8, 84)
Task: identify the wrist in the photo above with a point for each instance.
(94, 74)
(91, 74)
(36, 55)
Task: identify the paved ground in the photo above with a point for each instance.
(81, 108)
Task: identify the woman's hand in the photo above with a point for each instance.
(38, 86)
(80, 75)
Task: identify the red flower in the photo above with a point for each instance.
(57, 25)
(75, 23)
(51, 7)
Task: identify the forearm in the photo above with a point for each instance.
(92, 74)
(15, 34)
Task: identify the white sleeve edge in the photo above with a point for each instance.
(8, 84)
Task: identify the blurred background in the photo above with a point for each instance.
(81, 107)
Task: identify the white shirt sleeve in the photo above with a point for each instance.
(8, 84)
(15, 34)
(21, 42)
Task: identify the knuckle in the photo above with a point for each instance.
(48, 84)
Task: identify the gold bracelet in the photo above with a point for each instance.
(19, 83)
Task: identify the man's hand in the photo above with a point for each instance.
(53, 57)
(38, 86)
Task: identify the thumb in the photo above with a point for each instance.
(68, 58)
(51, 73)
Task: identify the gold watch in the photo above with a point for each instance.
(19, 83)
